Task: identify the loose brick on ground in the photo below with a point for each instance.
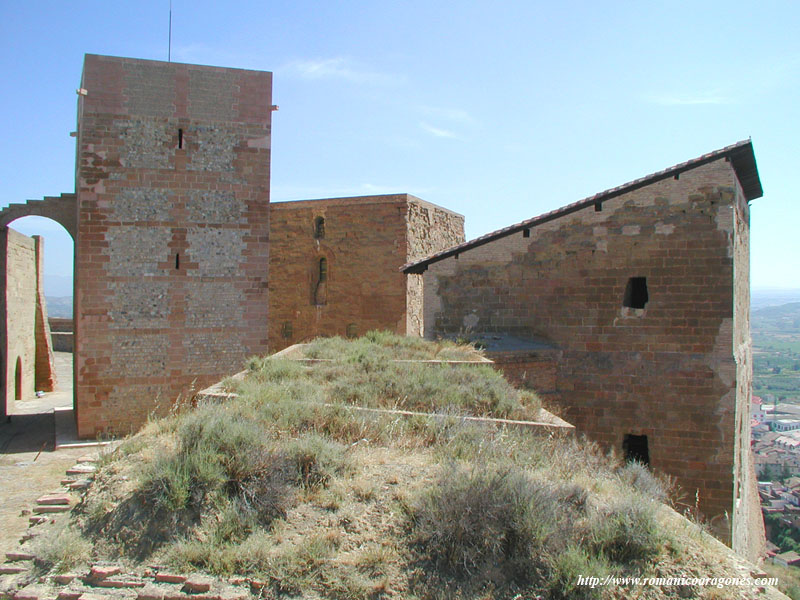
(16, 556)
(171, 578)
(53, 500)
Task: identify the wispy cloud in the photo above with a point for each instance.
(691, 99)
(454, 115)
(337, 68)
(438, 132)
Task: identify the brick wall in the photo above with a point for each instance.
(748, 536)
(363, 242)
(19, 297)
(668, 370)
(173, 233)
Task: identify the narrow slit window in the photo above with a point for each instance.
(319, 228)
(323, 269)
(598, 207)
(635, 448)
(178, 260)
(180, 138)
(18, 380)
(319, 290)
(636, 295)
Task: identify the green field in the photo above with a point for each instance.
(776, 351)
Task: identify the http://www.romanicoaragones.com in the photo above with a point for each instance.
(718, 582)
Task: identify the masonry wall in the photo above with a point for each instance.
(430, 229)
(173, 234)
(45, 371)
(363, 242)
(668, 370)
(748, 535)
(19, 294)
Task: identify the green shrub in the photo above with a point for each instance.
(567, 566)
(300, 566)
(642, 480)
(627, 531)
(63, 550)
(477, 518)
(315, 459)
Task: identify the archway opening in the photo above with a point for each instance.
(40, 266)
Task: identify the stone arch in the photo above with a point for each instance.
(61, 209)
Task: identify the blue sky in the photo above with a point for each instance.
(499, 111)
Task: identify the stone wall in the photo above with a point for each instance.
(19, 297)
(45, 375)
(748, 536)
(665, 367)
(173, 234)
(430, 229)
(61, 334)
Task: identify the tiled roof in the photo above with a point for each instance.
(740, 154)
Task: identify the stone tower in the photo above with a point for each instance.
(172, 249)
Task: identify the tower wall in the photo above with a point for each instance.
(645, 301)
(173, 166)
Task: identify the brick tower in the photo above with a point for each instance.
(172, 253)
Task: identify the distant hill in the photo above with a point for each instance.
(760, 298)
(776, 319)
(59, 306)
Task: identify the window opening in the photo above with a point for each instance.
(320, 289)
(526, 233)
(323, 269)
(636, 295)
(178, 260)
(598, 207)
(635, 448)
(352, 330)
(287, 330)
(319, 228)
(180, 138)
(18, 380)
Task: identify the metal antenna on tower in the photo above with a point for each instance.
(169, 47)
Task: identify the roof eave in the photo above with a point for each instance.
(740, 155)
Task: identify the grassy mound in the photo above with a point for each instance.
(384, 345)
(372, 372)
(322, 502)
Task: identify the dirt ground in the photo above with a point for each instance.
(29, 464)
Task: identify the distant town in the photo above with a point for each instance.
(775, 424)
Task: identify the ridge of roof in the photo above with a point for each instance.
(740, 155)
